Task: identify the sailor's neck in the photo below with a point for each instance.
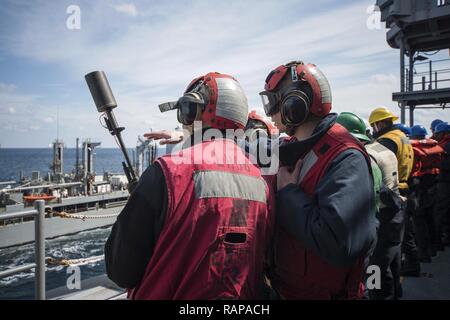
(305, 130)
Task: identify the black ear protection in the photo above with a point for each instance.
(295, 106)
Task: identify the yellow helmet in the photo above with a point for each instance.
(381, 114)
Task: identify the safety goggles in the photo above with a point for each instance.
(271, 100)
(186, 106)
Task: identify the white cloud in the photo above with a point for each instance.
(48, 120)
(6, 88)
(127, 8)
(151, 60)
(12, 102)
(363, 97)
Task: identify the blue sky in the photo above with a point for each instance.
(152, 49)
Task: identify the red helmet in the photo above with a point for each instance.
(223, 104)
(271, 129)
(291, 100)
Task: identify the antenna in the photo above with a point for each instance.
(57, 123)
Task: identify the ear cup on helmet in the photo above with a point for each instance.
(295, 108)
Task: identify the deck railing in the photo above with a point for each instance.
(429, 75)
(39, 247)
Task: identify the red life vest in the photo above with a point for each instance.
(427, 157)
(217, 228)
(298, 272)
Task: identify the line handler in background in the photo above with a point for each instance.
(387, 254)
(382, 122)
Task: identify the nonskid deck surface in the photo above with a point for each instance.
(434, 283)
(96, 288)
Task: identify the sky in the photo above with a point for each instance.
(151, 50)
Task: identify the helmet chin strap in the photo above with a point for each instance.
(375, 128)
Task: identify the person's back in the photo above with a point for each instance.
(404, 154)
(218, 225)
(442, 134)
(357, 128)
(385, 132)
(442, 211)
(427, 157)
(387, 254)
(387, 161)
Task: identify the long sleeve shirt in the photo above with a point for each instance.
(135, 233)
(339, 222)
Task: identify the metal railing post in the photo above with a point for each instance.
(430, 86)
(411, 115)
(39, 234)
(435, 80)
(403, 79)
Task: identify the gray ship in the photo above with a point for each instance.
(75, 202)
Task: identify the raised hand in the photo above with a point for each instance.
(165, 137)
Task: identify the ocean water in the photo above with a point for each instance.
(82, 245)
(12, 161)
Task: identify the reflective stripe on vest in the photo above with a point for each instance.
(308, 162)
(220, 184)
(405, 155)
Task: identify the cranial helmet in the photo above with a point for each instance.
(218, 100)
(306, 90)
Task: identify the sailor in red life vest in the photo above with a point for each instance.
(197, 229)
(442, 208)
(433, 126)
(427, 153)
(422, 187)
(326, 223)
(256, 121)
(261, 137)
(442, 134)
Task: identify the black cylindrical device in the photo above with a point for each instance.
(100, 90)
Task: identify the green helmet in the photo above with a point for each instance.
(354, 124)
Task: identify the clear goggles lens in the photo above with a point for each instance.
(270, 102)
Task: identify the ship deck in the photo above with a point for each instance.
(96, 288)
(434, 284)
